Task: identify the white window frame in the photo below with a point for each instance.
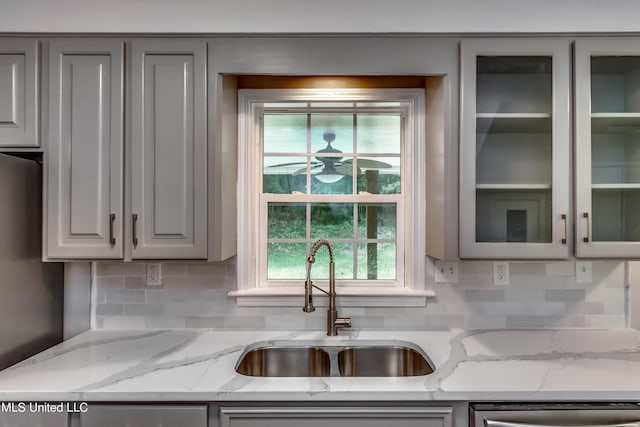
(252, 287)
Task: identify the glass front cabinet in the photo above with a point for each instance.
(607, 148)
(514, 149)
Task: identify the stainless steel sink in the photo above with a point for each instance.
(285, 362)
(382, 361)
(346, 359)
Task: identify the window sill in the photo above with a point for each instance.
(347, 297)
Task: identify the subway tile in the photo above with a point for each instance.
(604, 321)
(189, 282)
(121, 269)
(541, 308)
(207, 270)
(474, 321)
(566, 321)
(129, 296)
(211, 322)
(475, 268)
(367, 322)
(164, 322)
(108, 309)
(281, 322)
(174, 269)
(590, 307)
(565, 295)
(564, 268)
(444, 322)
(495, 308)
(473, 295)
(528, 322)
(524, 294)
(110, 282)
(136, 283)
(119, 322)
(526, 268)
(143, 310)
(244, 322)
(608, 273)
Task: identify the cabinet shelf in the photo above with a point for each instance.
(615, 186)
(513, 186)
(615, 122)
(513, 123)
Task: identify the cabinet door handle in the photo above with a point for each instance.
(551, 423)
(135, 233)
(112, 239)
(566, 229)
(585, 215)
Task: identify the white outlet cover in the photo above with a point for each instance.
(446, 272)
(501, 273)
(154, 274)
(584, 272)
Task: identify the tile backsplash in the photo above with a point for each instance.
(540, 295)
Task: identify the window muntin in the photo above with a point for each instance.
(363, 144)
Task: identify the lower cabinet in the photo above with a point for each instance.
(144, 416)
(335, 417)
(15, 417)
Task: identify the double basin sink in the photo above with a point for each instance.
(342, 359)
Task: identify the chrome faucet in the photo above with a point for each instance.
(333, 321)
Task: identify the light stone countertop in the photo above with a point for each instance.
(198, 365)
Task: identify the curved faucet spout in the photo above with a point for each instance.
(333, 321)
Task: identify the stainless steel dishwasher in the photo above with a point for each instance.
(554, 415)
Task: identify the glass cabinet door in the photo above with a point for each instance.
(514, 149)
(608, 148)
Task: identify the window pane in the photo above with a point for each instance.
(286, 260)
(377, 261)
(283, 175)
(379, 175)
(377, 221)
(378, 133)
(332, 131)
(285, 133)
(342, 258)
(286, 220)
(332, 221)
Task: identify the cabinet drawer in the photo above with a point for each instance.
(335, 417)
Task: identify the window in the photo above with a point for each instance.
(339, 165)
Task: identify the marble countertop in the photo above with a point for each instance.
(198, 365)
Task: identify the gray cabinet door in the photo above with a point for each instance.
(32, 419)
(168, 149)
(84, 164)
(335, 417)
(18, 93)
(144, 416)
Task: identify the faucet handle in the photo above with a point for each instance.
(343, 322)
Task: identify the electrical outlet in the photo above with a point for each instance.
(154, 274)
(501, 273)
(446, 272)
(584, 272)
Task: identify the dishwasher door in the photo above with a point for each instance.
(554, 415)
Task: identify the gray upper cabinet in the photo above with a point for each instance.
(607, 92)
(18, 93)
(169, 149)
(514, 149)
(84, 168)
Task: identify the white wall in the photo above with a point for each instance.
(326, 16)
